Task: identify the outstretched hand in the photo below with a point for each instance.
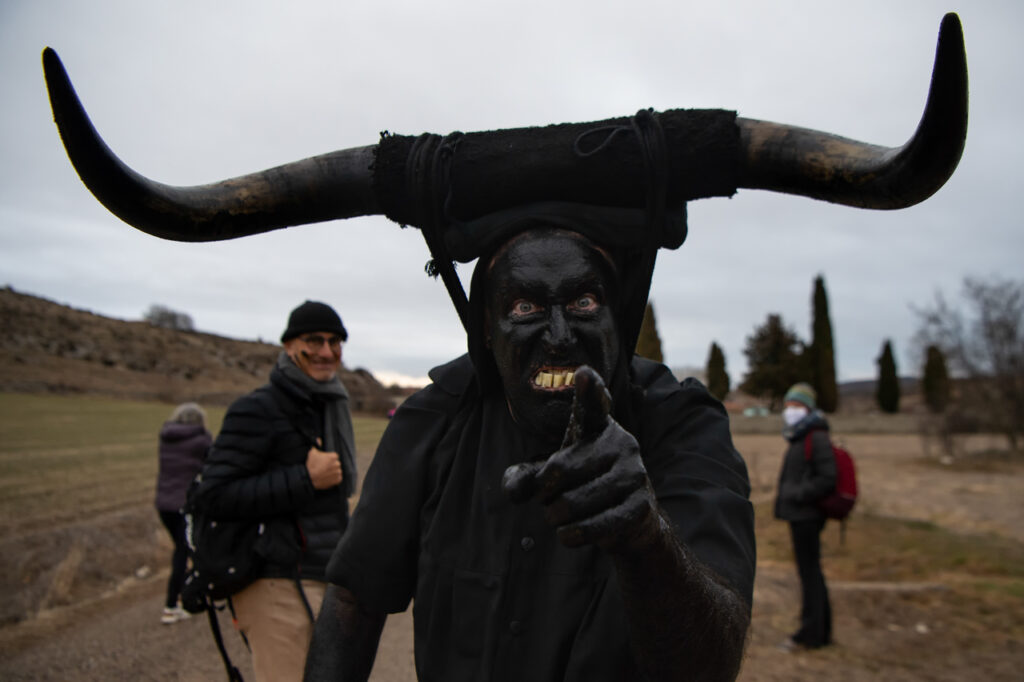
(594, 488)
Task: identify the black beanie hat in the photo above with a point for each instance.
(314, 316)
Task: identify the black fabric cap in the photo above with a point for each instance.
(314, 316)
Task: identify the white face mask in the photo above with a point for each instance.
(792, 414)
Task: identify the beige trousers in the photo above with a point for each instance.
(271, 615)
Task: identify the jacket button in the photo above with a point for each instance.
(527, 543)
(515, 627)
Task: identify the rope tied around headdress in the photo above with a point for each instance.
(429, 185)
(650, 136)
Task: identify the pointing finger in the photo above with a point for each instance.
(591, 405)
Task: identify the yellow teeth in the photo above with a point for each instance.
(554, 379)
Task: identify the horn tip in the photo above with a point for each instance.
(951, 29)
(52, 65)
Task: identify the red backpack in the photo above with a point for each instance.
(839, 503)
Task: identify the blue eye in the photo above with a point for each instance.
(523, 307)
(586, 302)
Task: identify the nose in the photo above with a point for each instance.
(558, 336)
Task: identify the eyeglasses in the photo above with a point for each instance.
(315, 341)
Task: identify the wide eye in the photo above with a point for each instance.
(585, 303)
(522, 307)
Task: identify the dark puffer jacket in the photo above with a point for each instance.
(182, 450)
(257, 470)
(803, 482)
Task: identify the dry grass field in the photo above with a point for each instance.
(928, 585)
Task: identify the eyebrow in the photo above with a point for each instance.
(534, 289)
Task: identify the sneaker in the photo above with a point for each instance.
(171, 616)
(790, 646)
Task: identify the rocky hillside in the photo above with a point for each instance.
(46, 347)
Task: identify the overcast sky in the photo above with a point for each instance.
(194, 92)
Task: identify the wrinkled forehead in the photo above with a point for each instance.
(550, 254)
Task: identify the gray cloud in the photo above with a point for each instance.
(193, 92)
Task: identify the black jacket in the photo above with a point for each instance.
(497, 596)
(803, 482)
(257, 470)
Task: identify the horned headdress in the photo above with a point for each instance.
(445, 184)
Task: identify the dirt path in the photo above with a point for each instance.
(120, 638)
(891, 631)
(883, 635)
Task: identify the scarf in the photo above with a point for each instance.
(333, 396)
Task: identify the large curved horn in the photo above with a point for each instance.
(822, 166)
(335, 185)
(711, 154)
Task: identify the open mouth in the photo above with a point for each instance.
(554, 378)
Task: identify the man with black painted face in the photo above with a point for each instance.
(557, 508)
(549, 311)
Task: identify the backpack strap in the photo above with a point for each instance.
(305, 599)
(234, 674)
(809, 446)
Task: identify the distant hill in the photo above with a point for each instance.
(46, 347)
(867, 387)
(854, 396)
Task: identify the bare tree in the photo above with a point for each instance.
(983, 342)
(162, 316)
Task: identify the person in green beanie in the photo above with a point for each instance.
(808, 475)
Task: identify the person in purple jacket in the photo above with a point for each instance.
(184, 440)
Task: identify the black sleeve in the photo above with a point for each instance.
(377, 557)
(701, 482)
(244, 478)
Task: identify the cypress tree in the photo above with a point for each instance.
(888, 393)
(823, 363)
(648, 343)
(935, 380)
(718, 378)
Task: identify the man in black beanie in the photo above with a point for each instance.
(285, 458)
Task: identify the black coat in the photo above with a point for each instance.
(497, 596)
(257, 470)
(803, 482)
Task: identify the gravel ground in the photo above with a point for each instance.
(892, 631)
(121, 638)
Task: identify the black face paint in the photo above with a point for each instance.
(550, 309)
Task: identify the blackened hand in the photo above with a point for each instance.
(591, 408)
(595, 488)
